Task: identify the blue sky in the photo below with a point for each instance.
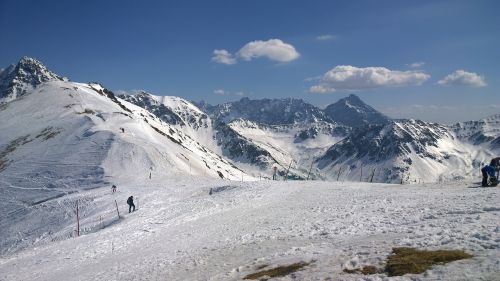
(431, 60)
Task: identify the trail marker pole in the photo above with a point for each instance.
(310, 168)
(373, 173)
(288, 170)
(77, 220)
(117, 211)
(361, 175)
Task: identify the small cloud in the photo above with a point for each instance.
(321, 89)
(347, 77)
(221, 92)
(326, 37)
(223, 57)
(416, 64)
(463, 78)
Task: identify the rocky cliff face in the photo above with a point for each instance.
(17, 80)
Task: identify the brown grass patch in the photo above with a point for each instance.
(277, 271)
(410, 260)
(367, 270)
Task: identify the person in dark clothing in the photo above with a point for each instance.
(495, 161)
(130, 202)
(488, 170)
(113, 188)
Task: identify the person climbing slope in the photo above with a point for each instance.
(130, 202)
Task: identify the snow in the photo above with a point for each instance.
(65, 137)
(61, 144)
(180, 232)
(279, 141)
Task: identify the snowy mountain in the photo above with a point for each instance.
(353, 112)
(61, 137)
(403, 151)
(267, 111)
(17, 80)
(288, 134)
(214, 134)
(485, 131)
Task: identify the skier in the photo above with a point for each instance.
(275, 171)
(113, 188)
(489, 170)
(130, 202)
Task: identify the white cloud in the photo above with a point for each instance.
(463, 78)
(326, 37)
(224, 57)
(347, 77)
(273, 49)
(416, 64)
(221, 92)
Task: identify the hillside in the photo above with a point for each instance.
(64, 137)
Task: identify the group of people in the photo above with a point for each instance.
(490, 173)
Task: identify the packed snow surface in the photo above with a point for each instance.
(194, 228)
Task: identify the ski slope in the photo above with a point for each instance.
(181, 232)
(65, 137)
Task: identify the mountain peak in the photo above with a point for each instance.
(16, 80)
(353, 112)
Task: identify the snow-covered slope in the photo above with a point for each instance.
(403, 151)
(181, 232)
(294, 145)
(64, 137)
(178, 112)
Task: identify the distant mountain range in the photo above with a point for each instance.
(347, 140)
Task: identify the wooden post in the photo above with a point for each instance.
(77, 220)
(117, 211)
(288, 170)
(361, 174)
(373, 173)
(310, 168)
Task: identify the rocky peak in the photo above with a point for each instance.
(17, 80)
(352, 111)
